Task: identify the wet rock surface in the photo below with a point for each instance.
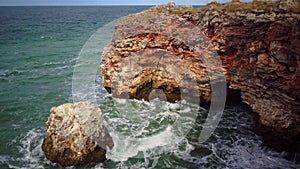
(257, 43)
(76, 135)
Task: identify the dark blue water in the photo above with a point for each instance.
(39, 47)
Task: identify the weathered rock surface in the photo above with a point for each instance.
(258, 44)
(76, 135)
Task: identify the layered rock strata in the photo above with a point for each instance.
(76, 135)
(257, 44)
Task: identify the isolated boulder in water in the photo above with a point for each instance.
(76, 135)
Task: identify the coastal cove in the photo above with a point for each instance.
(186, 53)
(39, 48)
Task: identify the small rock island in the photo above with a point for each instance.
(76, 135)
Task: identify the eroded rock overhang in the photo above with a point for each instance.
(164, 48)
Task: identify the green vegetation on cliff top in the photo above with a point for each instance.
(234, 6)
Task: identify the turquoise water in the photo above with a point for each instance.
(39, 47)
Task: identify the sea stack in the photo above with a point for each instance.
(76, 135)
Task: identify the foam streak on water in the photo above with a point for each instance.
(138, 126)
(233, 145)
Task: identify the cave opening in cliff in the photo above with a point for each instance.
(164, 92)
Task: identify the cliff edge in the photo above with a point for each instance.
(257, 44)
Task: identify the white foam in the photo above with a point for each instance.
(231, 146)
(139, 128)
(30, 148)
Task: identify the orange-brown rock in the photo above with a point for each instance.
(76, 135)
(257, 42)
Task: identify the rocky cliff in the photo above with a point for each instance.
(176, 49)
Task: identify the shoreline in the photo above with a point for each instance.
(254, 42)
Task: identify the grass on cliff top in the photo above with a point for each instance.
(263, 6)
(175, 10)
(244, 6)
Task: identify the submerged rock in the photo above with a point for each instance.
(76, 135)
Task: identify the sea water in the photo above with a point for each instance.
(39, 48)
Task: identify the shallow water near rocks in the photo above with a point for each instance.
(234, 144)
(39, 47)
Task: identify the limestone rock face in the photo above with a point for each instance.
(258, 44)
(76, 135)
